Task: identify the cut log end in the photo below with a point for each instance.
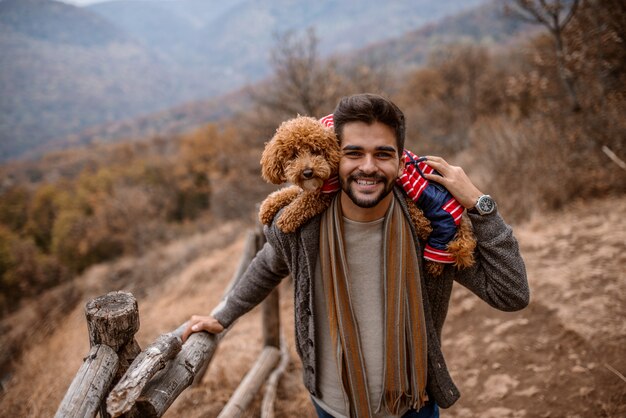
(112, 319)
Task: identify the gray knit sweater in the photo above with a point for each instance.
(498, 277)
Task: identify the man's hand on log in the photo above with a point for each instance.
(199, 323)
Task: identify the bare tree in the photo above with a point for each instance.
(554, 15)
(303, 83)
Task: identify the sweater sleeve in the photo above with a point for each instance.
(499, 274)
(263, 274)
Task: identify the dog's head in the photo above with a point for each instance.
(303, 152)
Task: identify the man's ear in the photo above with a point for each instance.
(402, 163)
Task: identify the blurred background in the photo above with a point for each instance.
(130, 139)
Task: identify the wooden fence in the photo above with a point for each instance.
(118, 379)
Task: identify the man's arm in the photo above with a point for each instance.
(263, 274)
(499, 274)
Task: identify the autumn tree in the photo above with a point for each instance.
(42, 214)
(14, 203)
(445, 99)
(554, 15)
(302, 82)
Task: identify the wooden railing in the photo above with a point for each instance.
(118, 379)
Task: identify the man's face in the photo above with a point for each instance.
(370, 163)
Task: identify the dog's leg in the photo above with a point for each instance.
(276, 201)
(302, 209)
(420, 222)
(462, 246)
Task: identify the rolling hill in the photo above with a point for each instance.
(66, 68)
(484, 24)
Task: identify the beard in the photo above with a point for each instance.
(366, 200)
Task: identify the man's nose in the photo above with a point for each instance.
(368, 165)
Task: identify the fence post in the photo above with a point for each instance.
(112, 321)
(271, 320)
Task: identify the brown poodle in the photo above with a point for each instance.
(305, 153)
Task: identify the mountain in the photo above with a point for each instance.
(484, 24)
(64, 68)
(231, 41)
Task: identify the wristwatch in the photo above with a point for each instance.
(484, 205)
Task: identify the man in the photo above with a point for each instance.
(368, 320)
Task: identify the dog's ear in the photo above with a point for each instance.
(332, 151)
(271, 164)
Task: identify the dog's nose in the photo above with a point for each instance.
(308, 173)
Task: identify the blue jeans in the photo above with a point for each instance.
(430, 410)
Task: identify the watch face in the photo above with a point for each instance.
(486, 204)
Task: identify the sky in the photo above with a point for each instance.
(81, 2)
(85, 2)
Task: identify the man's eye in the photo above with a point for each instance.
(352, 154)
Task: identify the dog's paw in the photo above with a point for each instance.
(433, 268)
(289, 220)
(462, 247)
(276, 201)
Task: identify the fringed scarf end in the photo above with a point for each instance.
(393, 402)
(420, 401)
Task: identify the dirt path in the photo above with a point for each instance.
(560, 357)
(553, 359)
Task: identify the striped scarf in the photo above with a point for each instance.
(405, 349)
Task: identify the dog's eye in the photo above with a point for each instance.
(294, 155)
(316, 152)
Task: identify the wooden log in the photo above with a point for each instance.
(164, 388)
(271, 319)
(267, 407)
(143, 368)
(112, 319)
(127, 354)
(88, 389)
(251, 384)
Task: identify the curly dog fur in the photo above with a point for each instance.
(304, 153)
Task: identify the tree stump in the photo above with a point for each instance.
(112, 319)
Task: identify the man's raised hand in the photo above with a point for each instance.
(455, 180)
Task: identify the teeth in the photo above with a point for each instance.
(366, 182)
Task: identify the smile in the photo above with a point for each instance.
(365, 182)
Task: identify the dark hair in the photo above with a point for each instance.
(370, 108)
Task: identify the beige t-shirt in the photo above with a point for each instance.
(363, 246)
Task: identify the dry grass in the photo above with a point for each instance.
(544, 165)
